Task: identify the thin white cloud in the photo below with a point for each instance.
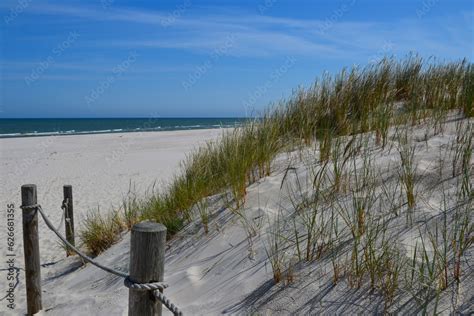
(87, 67)
(259, 35)
(256, 43)
(20, 70)
(255, 35)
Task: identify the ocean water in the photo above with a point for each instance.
(44, 127)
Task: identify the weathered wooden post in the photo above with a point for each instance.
(147, 264)
(68, 207)
(31, 249)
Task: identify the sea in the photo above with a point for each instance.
(76, 126)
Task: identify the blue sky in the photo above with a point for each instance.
(112, 58)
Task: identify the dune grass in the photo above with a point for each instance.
(102, 231)
(358, 229)
(353, 101)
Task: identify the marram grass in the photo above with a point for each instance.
(353, 101)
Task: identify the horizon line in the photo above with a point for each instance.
(126, 117)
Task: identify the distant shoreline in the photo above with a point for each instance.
(19, 128)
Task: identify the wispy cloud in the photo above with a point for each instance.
(88, 67)
(247, 44)
(19, 70)
(255, 35)
(261, 36)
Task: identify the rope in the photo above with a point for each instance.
(63, 216)
(163, 299)
(65, 208)
(65, 204)
(144, 286)
(156, 287)
(80, 253)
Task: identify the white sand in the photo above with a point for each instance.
(99, 167)
(220, 272)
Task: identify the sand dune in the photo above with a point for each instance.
(226, 271)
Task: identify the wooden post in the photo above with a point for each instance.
(147, 264)
(31, 249)
(69, 217)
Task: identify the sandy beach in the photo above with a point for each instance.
(226, 271)
(99, 167)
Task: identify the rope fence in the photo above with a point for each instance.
(30, 213)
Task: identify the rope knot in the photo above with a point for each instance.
(30, 207)
(65, 204)
(129, 283)
(157, 288)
